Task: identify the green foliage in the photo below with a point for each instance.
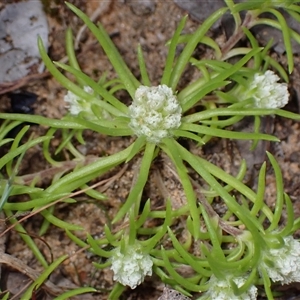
(222, 246)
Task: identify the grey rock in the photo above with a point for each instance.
(201, 9)
(20, 25)
(141, 7)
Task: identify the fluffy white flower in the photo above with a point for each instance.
(77, 105)
(154, 112)
(131, 267)
(283, 264)
(267, 92)
(222, 290)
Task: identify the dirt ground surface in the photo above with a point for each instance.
(129, 25)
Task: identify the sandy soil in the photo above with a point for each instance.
(127, 27)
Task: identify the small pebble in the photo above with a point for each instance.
(141, 7)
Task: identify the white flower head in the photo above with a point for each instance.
(131, 267)
(283, 264)
(222, 290)
(154, 112)
(267, 92)
(76, 104)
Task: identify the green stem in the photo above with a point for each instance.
(135, 193)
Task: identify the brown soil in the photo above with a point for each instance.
(127, 28)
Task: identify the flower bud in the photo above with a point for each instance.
(283, 264)
(267, 92)
(77, 105)
(131, 267)
(154, 113)
(222, 290)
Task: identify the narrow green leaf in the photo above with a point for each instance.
(26, 238)
(14, 153)
(227, 134)
(171, 150)
(286, 37)
(171, 53)
(130, 82)
(191, 45)
(138, 187)
(143, 68)
(57, 222)
(96, 249)
(79, 291)
(138, 144)
(279, 194)
(179, 279)
(71, 53)
(42, 278)
(81, 176)
(201, 267)
(75, 239)
(123, 109)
